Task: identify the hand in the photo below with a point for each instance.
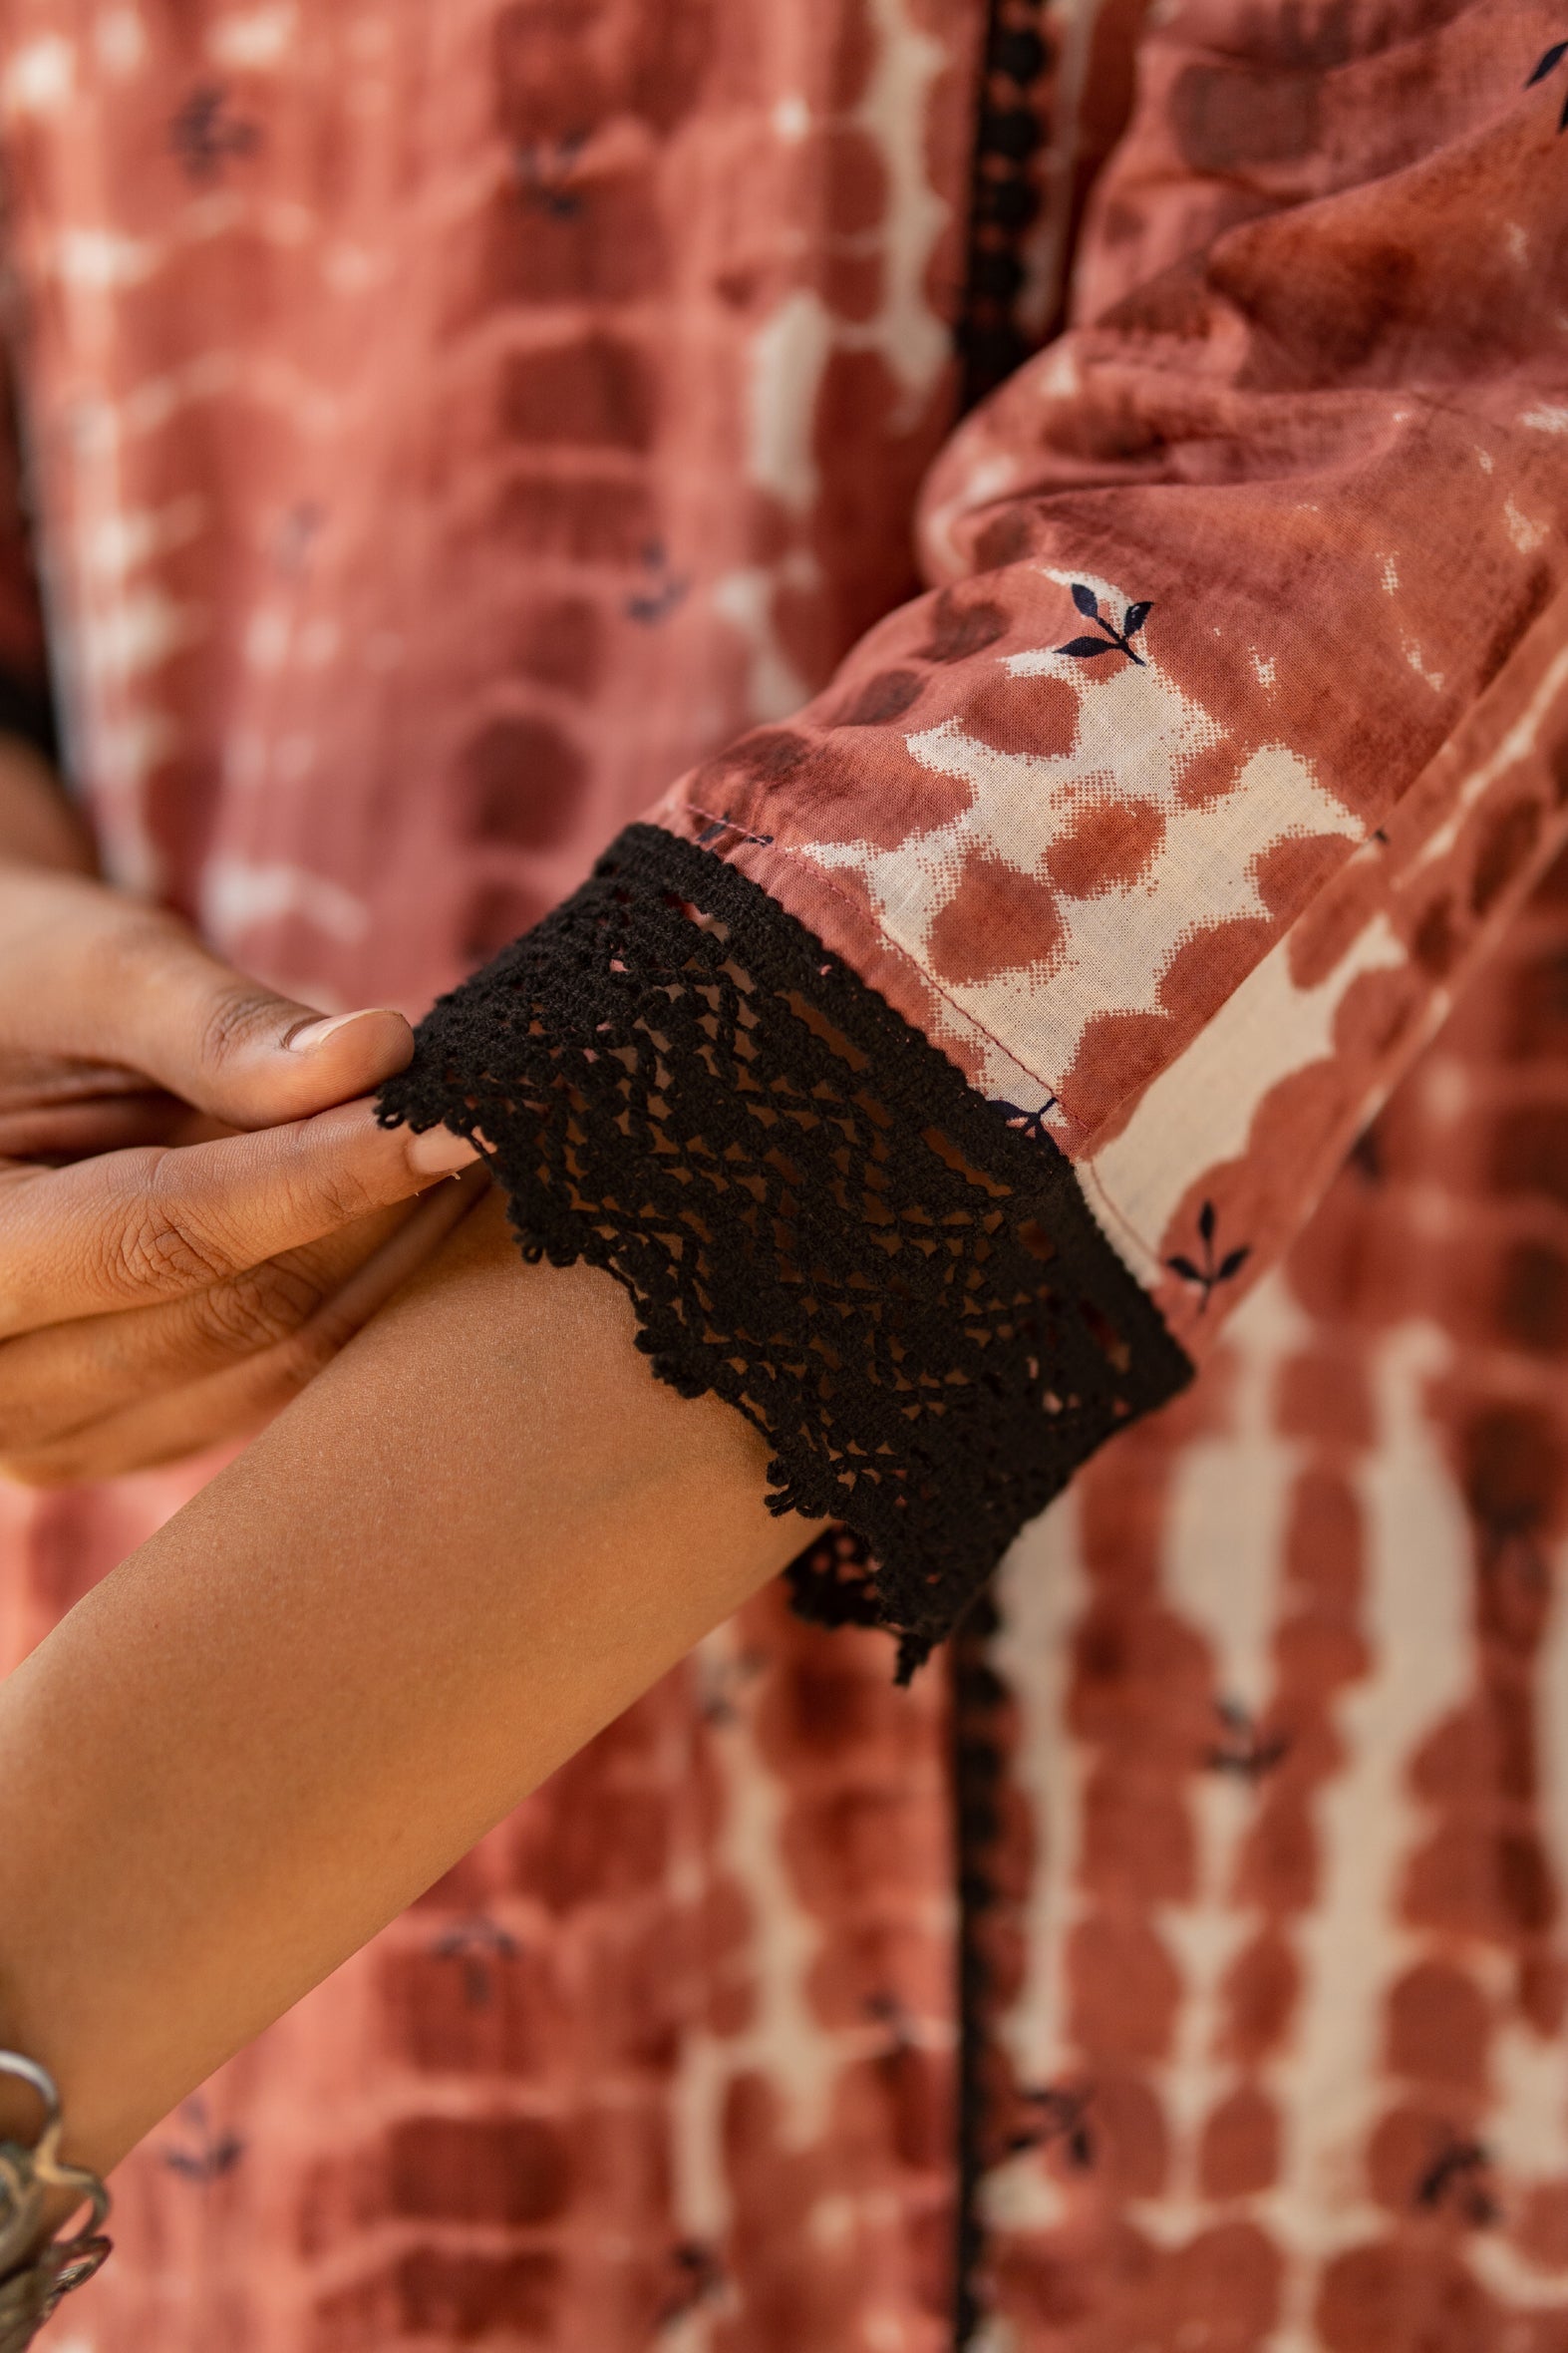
(230, 1229)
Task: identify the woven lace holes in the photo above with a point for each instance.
(1113, 1347)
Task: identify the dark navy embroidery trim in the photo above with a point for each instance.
(1004, 195)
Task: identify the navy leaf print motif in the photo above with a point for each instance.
(1207, 1275)
(1056, 2113)
(699, 2274)
(544, 175)
(666, 589)
(205, 136)
(476, 1945)
(1548, 64)
(210, 2154)
(1030, 1124)
(1245, 1750)
(1456, 2177)
(1114, 640)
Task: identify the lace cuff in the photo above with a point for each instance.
(817, 1217)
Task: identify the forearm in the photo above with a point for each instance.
(470, 1545)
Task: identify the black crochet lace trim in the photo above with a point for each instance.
(815, 1217)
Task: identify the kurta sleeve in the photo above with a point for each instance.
(938, 1070)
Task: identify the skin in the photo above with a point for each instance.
(479, 1528)
(196, 1206)
(478, 1535)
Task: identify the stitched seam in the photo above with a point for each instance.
(896, 947)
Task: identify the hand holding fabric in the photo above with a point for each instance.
(195, 1211)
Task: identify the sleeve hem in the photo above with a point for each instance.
(817, 1217)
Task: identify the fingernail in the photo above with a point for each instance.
(438, 1153)
(314, 1034)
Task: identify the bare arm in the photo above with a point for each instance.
(476, 1537)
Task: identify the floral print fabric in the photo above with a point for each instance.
(1245, 589)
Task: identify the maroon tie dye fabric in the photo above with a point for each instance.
(448, 426)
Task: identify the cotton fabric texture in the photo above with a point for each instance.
(443, 429)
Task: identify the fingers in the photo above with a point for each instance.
(55, 1109)
(238, 1397)
(70, 1130)
(85, 972)
(141, 1227)
(69, 1376)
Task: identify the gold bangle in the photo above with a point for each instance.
(34, 2270)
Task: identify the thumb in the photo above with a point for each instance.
(135, 986)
